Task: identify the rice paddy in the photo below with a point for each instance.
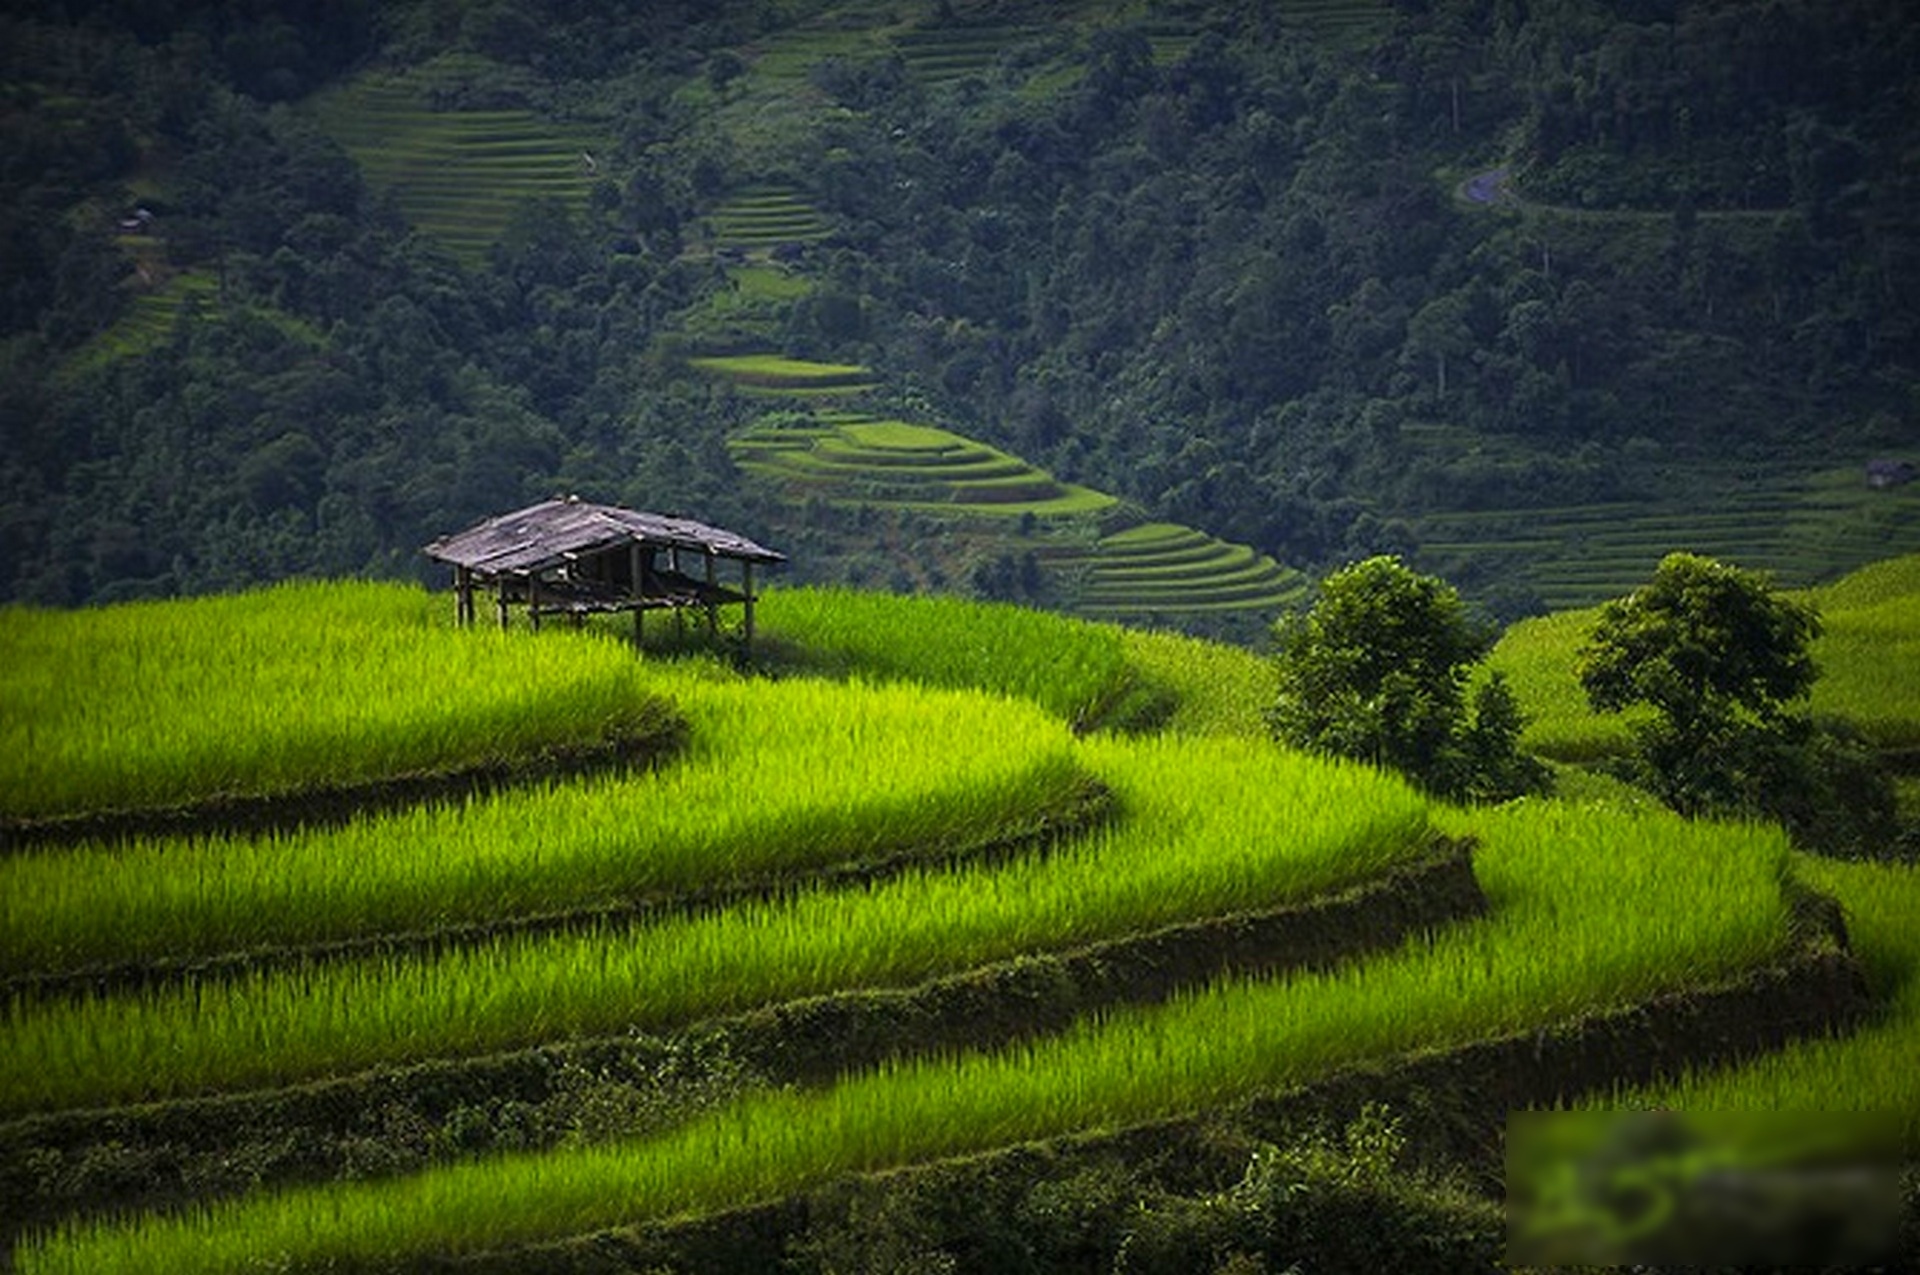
(458, 172)
(1073, 669)
(1306, 827)
(1799, 523)
(776, 375)
(299, 687)
(1151, 571)
(944, 721)
(1549, 951)
(758, 218)
(1161, 566)
(837, 776)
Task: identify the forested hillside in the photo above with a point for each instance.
(1530, 292)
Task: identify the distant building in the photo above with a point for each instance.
(1891, 473)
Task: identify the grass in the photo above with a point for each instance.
(297, 687)
(1302, 827)
(778, 780)
(1071, 668)
(1870, 1069)
(1592, 911)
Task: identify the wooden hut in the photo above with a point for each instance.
(574, 558)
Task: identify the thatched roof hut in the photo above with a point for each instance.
(573, 557)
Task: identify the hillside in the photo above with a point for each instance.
(928, 938)
(1528, 296)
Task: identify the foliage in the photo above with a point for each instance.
(1720, 659)
(1708, 646)
(1377, 671)
(1168, 258)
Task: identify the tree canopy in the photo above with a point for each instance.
(1723, 663)
(1378, 671)
(1706, 644)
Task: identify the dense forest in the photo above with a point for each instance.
(1296, 285)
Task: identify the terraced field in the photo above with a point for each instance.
(1798, 525)
(148, 321)
(1148, 572)
(1161, 567)
(943, 55)
(863, 460)
(1110, 957)
(756, 219)
(775, 376)
(1344, 23)
(459, 173)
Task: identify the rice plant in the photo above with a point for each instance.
(1298, 826)
(778, 779)
(297, 686)
(1070, 667)
(1870, 1069)
(1594, 911)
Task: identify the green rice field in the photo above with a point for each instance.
(1796, 522)
(776, 375)
(873, 729)
(1665, 924)
(302, 686)
(866, 461)
(458, 171)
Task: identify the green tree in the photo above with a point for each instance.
(1716, 654)
(1723, 662)
(1378, 671)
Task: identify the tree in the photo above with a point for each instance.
(1721, 661)
(1378, 671)
(1715, 654)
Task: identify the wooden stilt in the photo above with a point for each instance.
(713, 611)
(463, 596)
(533, 601)
(746, 587)
(500, 601)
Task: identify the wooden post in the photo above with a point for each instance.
(679, 608)
(746, 587)
(533, 600)
(463, 597)
(713, 618)
(500, 600)
(638, 611)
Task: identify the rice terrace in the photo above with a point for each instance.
(994, 859)
(686, 963)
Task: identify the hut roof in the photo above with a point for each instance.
(553, 532)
